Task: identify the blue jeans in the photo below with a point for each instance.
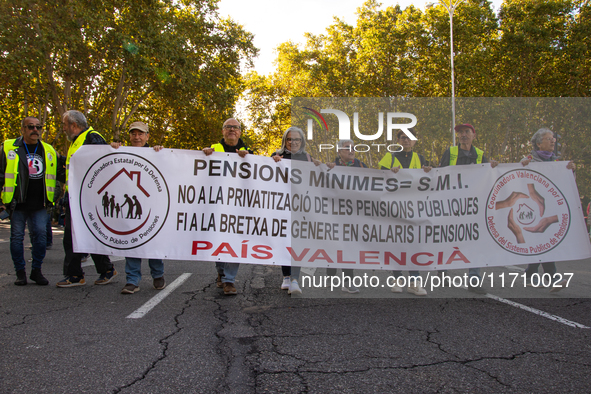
(49, 231)
(474, 272)
(133, 269)
(37, 221)
(228, 271)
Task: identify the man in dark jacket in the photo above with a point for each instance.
(231, 142)
(466, 154)
(79, 133)
(28, 170)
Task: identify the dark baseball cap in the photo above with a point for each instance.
(465, 125)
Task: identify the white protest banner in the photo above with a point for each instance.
(183, 205)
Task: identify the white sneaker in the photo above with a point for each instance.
(286, 283)
(417, 290)
(350, 290)
(294, 288)
(396, 289)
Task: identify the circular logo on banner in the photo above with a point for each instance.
(124, 200)
(526, 213)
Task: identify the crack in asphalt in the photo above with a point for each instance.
(46, 312)
(163, 342)
(234, 351)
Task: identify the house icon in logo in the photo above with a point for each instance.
(122, 197)
(525, 215)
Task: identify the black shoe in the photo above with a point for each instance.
(37, 277)
(21, 278)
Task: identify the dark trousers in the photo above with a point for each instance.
(49, 230)
(73, 261)
(348, 272)
(549, 268)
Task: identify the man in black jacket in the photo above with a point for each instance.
(231, 142)
(79, 133)
(28, 170)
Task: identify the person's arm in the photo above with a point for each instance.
(3, 170)
(276, 157)
(493, 162)
(94, 139)
(61, 168)
(444, 159)
(2, 166)
(424, 165)
(313, 160)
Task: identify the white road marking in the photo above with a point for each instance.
(538, 312)
(152, 302)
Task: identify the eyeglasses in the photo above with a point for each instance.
(293, 140)
(404, 137)
(549, 139)
(33, 127)
(231, 127)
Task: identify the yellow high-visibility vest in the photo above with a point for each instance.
(11, 172)
(74, 146)
(387, 162)
(220, 148)
(454, 151)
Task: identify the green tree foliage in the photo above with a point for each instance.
(175, 65)
(533, 48)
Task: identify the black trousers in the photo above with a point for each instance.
(73, 261)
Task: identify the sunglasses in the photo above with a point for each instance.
(33, 127)
(231, 127)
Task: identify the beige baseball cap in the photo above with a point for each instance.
(141, 126)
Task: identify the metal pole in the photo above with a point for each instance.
(451, 8)
(453, 89)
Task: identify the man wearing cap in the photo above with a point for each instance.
(394, 161)
(231, 142)
(28, 170)
(139, 133)
(465, 154)
(79, 133)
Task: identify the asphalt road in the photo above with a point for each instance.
(81, 340)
